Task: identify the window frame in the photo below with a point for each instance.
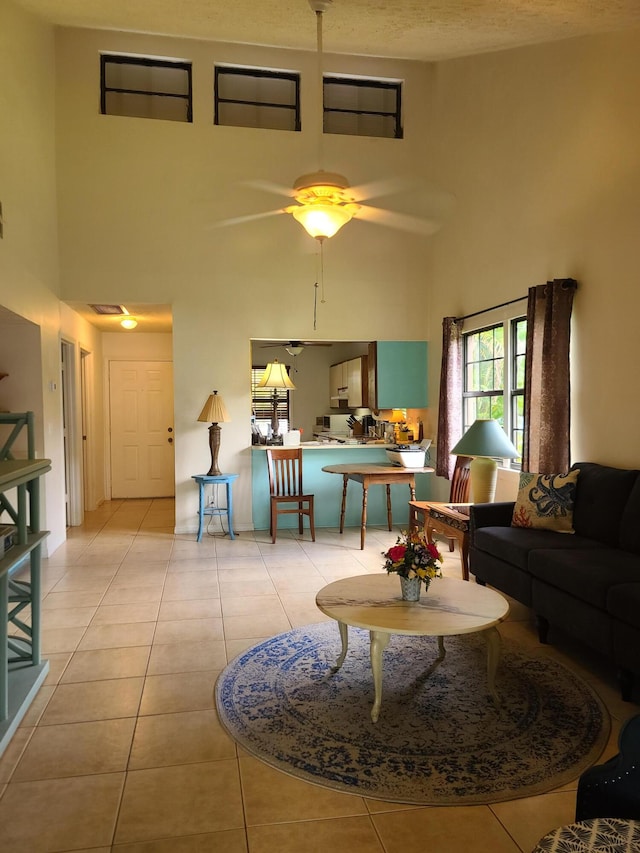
(263, 396)
(364, 83)
(147, 62)
(263, 74)
(511, 392)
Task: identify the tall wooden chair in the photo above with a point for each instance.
(285, 487)
(446, 519)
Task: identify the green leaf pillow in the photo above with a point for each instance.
(545, 501)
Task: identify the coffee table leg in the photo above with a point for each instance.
(492, 636)
(379, 641)
(441, 656)
(344, 639)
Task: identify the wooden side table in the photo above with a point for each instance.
(449, 520)
(202, 480)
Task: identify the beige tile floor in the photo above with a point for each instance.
(122, 750)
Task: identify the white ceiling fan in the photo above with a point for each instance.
(294, 348)
(324, 201)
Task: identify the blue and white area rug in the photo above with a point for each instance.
(439, 740)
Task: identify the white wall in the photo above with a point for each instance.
(28, 252)
(137, 202)
(539, 146)
(542, 148)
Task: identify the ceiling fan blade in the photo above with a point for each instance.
(240, 220)
(296, 344)
(379, 188)
(268, 187)
(401, 221)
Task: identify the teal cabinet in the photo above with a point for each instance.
(398, 375)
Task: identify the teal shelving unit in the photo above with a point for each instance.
(21, 669)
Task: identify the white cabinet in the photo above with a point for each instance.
(338, 379)
(348, 383)
(355, 385)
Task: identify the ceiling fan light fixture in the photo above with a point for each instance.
(322, 219)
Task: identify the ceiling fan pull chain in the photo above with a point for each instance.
(322, 299)
(315, 306)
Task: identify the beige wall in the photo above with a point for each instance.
(542, 149)
(138, 200)
(539, 146)
(28, 252)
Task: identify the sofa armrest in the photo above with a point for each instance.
(491, 515)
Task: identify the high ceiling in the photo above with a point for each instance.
(405, 29)
(423, 30)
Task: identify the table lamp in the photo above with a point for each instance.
(275, 376)
(484, 440)
(214, 410)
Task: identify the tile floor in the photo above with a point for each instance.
(122, 751)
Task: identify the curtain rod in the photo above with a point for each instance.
(493, 308)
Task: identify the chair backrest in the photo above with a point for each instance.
(461, 482)
(285, 471)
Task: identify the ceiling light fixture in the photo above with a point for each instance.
(323, 207)
(129, 323)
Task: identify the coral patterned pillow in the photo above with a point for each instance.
(545, 501)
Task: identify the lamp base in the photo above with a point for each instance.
(214, 447)
(483, 472)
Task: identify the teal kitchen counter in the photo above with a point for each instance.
(327, 488)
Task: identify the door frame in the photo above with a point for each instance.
(72, 427)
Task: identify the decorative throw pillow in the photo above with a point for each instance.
(545, 501)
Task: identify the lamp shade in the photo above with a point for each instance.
(485, 438)
(214, 410)
(275, 376)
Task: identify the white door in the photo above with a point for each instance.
(141, 407)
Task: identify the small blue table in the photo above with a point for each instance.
(202, 480)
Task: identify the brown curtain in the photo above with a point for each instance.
(546, 387)
(450, 403)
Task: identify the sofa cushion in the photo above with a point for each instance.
(514, 544)
(588, 574)
(630, 521)
(601, 496)
(545, 501)
(623, 602)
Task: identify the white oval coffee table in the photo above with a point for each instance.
(450, 606)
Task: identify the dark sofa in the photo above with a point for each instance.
(587, 583)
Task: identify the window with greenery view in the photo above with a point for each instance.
(494, 363)
(262, 404)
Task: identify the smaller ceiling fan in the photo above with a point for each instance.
(296, 347)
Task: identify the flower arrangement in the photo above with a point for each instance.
(413, 557)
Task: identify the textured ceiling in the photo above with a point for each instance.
(406, 29)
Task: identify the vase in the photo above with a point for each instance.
(411, 588)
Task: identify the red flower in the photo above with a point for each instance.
(397, 553)
(433, 551)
